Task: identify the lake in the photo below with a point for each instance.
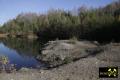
(21, 52)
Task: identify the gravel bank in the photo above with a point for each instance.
(85, 68)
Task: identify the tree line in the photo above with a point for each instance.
(101, 24)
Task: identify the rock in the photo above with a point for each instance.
(41, 71)
(96, 42)
(24, 69)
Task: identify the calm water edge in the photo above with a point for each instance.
(21, 52)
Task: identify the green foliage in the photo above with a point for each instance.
(4, 60)
(91, 24)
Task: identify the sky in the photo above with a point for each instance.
(9, 9)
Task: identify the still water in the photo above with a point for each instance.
(21, 52)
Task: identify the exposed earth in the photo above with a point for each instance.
(71, 60)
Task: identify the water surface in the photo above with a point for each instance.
(21, 52)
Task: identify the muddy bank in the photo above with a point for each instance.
(2, 35)
(26, 35)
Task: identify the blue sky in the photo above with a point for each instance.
(9, 9)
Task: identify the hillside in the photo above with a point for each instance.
(89, 24)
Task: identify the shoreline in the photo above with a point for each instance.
(85, 68)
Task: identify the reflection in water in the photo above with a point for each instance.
(21, 52)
